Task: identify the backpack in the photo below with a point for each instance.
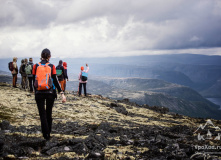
(43, 80)
(28, 69)
(59, 71)
(10, 66)
(84, 76)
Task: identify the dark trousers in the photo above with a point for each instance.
(14, 80)
(45, 113)
(80, 88)
(31, 83)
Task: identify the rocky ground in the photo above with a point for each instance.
(96, 127)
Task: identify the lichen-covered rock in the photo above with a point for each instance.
(5, 125)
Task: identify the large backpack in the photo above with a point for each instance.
(28, 69)
(10, 66)
(43, 80)
(84, 76)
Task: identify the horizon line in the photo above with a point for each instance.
(120, 56)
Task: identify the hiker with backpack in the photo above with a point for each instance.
(65, 74)
(20, 68)
(14, 70)
(22, 72)
(28, 72)
(60, 74)
(82, 77)
(45, 84)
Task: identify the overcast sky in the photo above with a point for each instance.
(98, 28)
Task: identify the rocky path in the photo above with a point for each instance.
(96, 127)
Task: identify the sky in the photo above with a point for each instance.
(109, 28)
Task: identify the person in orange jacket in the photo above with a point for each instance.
(45, 98)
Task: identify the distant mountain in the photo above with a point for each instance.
(198, 77)
(123, 71)
(154, 92)
(155, 85)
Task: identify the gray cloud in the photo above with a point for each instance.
(96, 26)
(176, 22)
(26, 13)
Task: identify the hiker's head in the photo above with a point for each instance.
(30, 60)
(65, 64)
(15, 59)
(82, 68)
(60, 62)
(26, 60)
(46, 54)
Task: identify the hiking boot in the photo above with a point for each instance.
(46, 136)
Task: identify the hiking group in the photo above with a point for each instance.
(45, 80)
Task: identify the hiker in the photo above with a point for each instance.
(28, 71)
(23, 74)
(60, 74)
(45, 84)
(14, 71)
(83, 80)
(20, 70)
(65, 74)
